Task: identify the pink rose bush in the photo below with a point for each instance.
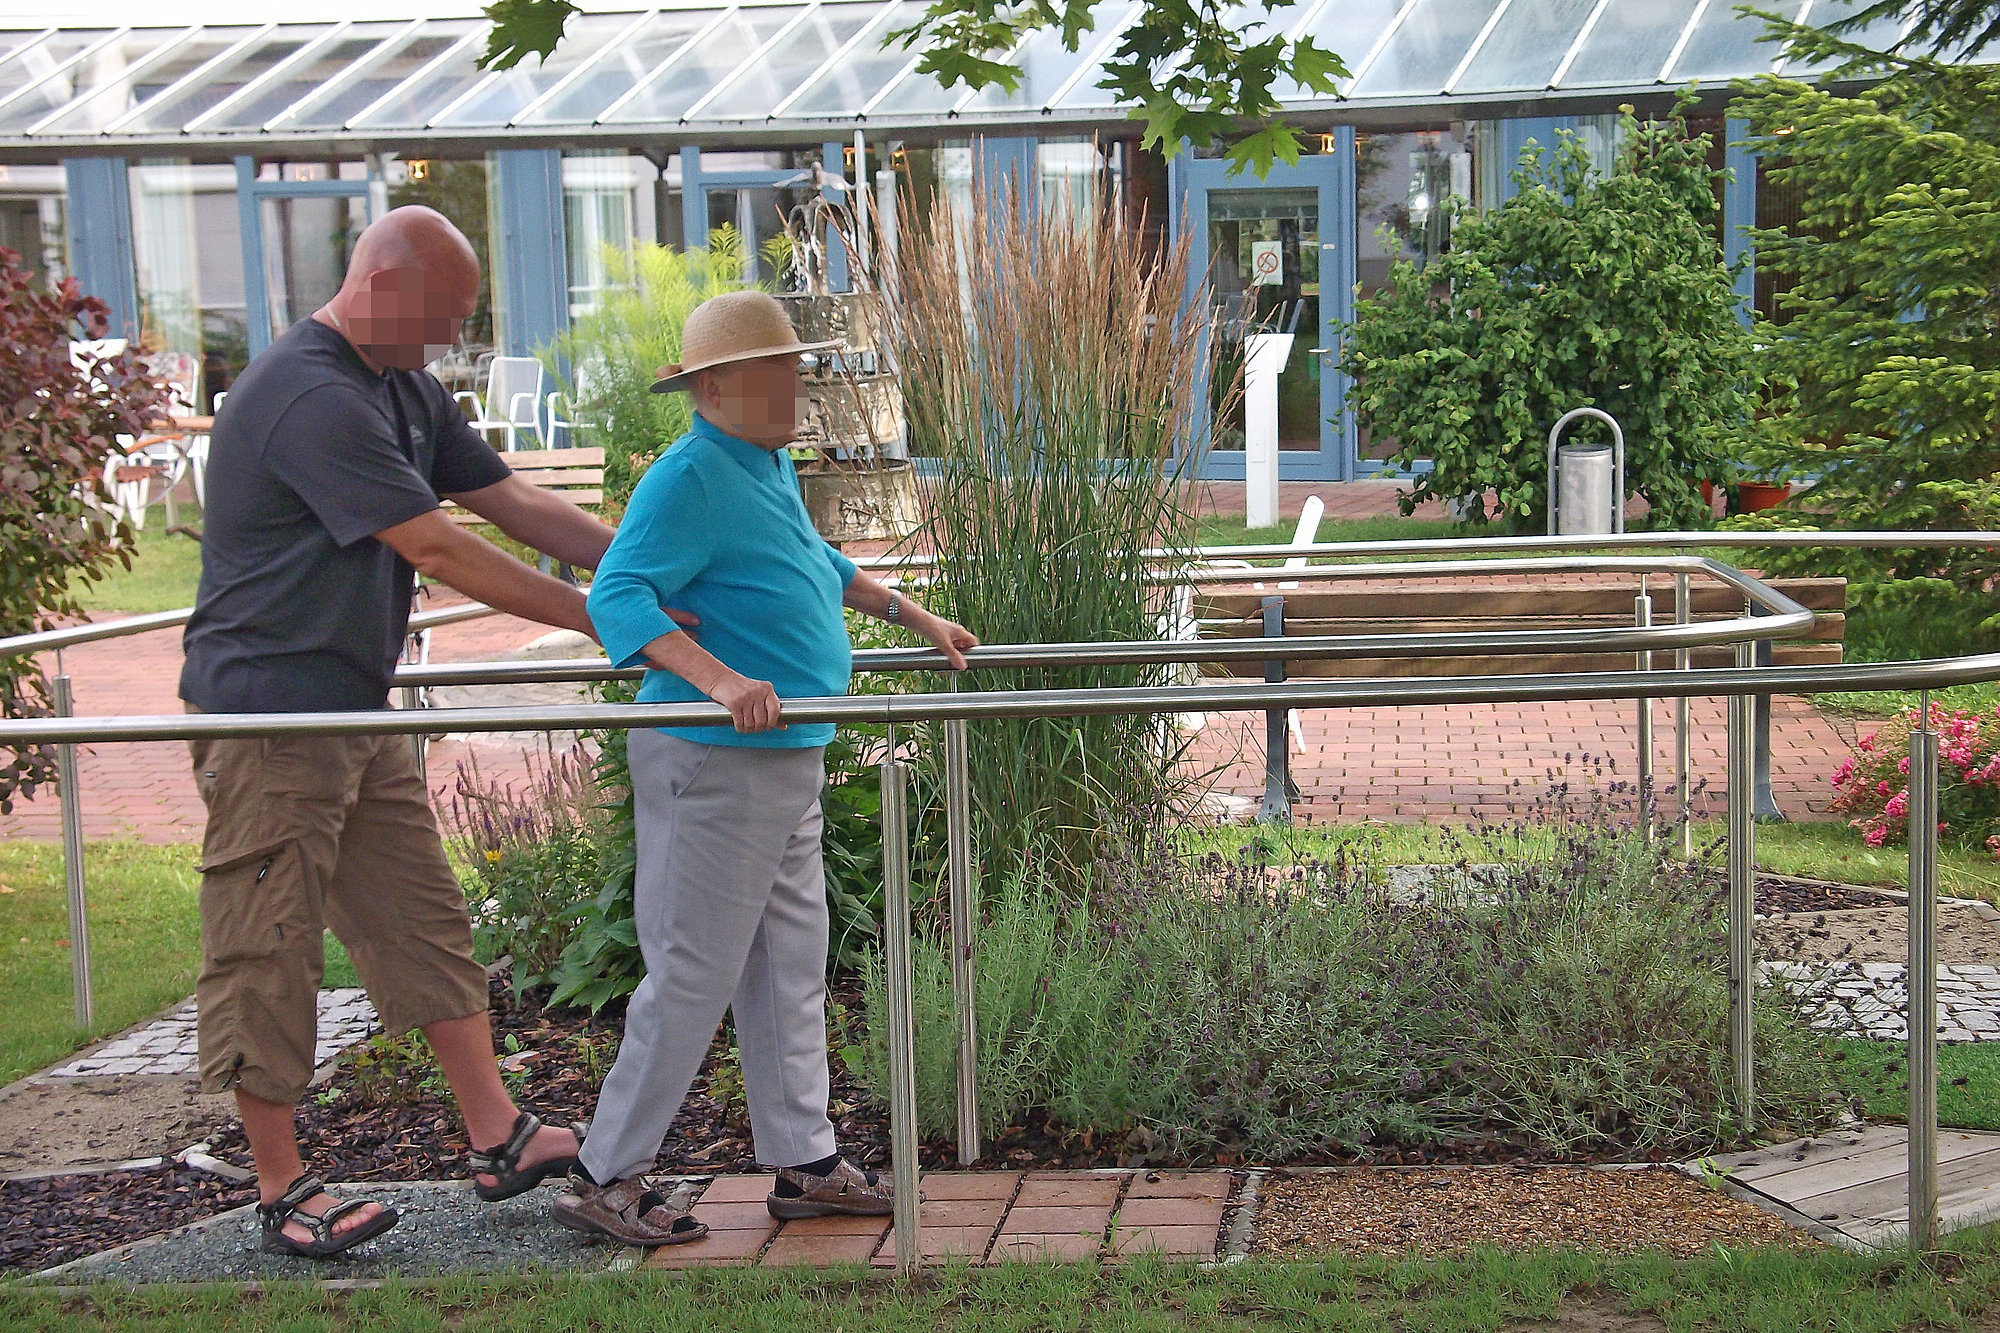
(1873, 786)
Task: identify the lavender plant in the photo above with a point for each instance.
(1560, 989)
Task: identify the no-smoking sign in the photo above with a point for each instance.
(1267, 263)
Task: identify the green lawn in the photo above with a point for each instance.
(145, 941)
(1229, 531)
(1811, 850)
(1878, 1074)
(165, 569)
(145, 945)
(1880, 704)
(1755, 1291)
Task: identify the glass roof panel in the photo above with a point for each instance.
(688, 80)
(501, 101)
(1879, 35)
(1725, 45)
(1526, 46)
(613, 76)
(866, 70)
(1348, 28)
(1045, 66)
(1627, 48)
(918, 95)
(424, 98)
(303, 80)
(754, 91)
(1423, 52)
(168, 114)
(101, 85)
(339, 101)
(13, 39)
(41, 60)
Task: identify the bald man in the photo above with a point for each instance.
(326, 468)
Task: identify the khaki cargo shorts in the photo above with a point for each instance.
(307, 834)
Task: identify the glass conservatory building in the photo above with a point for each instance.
(206, 180)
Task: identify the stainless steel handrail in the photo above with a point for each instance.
(1244, 696)
(72, 635)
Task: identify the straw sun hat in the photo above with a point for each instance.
(735, 326)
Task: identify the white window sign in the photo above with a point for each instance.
(1267, 263)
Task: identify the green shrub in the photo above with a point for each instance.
(606, 361)
(1580, 291)
(1573, 1000)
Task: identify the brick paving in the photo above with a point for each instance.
(978, 1217)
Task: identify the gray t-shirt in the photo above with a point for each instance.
(300, 608)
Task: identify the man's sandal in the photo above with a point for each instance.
(630, 1211)
(324, 1243)
(504, 1162)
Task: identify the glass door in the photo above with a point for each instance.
(1279, 257)
(299, 222)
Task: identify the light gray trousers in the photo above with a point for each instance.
(730, 904)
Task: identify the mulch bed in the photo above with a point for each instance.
(48, 1222)
(1439, 1213)
(1779, 895)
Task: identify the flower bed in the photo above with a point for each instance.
(1873, 784)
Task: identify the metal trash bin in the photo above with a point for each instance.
(1586, 480)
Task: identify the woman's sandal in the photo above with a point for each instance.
(504, 1162)
(629, 1211)
(324, 1243)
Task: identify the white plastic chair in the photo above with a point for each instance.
(563, 408)
(513, 400)
(143, 478)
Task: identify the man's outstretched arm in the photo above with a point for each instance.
(541, 519)
(447, 554)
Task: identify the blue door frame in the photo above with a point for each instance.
(1190, 181)
(250, 196)
(697, 181)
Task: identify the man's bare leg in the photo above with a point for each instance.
(274, 1148)
(464, 1049)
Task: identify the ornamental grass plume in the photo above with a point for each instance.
(1056, 369)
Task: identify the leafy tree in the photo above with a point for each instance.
(59, 425)
(1581, 291)
(1203, 70)
(1885, 371)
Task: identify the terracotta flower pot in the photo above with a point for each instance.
(1752, 496)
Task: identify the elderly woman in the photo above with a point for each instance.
(730, 898)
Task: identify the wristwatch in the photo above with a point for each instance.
(894, 614)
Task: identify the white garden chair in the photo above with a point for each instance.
(512, 403)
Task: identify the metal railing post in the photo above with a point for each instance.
(1922, 981)
(1683, 726)
(964, 907)
(73, 880)
(1276, 807)
(1764, 805)
(902, 1020)
(1642, 618)
(1742, 904)
(414, 698)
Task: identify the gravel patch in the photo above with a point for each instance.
(445, 1229)
(1364, 1210)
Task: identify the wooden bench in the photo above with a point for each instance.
(1446, 606)
(575, 474)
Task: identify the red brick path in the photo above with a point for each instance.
(976, 1216)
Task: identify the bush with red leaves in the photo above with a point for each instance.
(59, 423)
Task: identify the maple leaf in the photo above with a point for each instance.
(522, 28)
